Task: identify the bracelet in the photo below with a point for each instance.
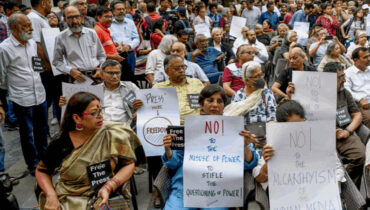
(108, 187)
(349, 131)
(115, 182)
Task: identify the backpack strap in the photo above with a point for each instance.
(149, 21)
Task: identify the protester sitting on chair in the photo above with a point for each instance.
(83, 132)
(288, 111)
(333, 54)
(206, 57)
(212, 100)
(232, 78)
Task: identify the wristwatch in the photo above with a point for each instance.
(349, 131)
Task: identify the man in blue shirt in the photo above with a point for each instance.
(163, 9)
(206, 57)
(301, 15)
(124, 33)
(270, 15)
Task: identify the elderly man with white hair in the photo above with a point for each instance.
(241, 40)
(156, 57)
(217, 42)
(86, 21)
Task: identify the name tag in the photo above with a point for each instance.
(343, 117)
(130, 98)
(99, 174)
(193, 101)
(37, 64)
(178, 142)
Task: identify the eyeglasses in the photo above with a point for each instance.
(112, 73)
(94, 114)
(52, 17)
(178, 68)
(109, 16)
(121, 9)
(258, 76)
(81, 3)
(248, 52)
(73, 17)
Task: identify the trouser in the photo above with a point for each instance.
(154, 165)
(53, 89)
(8, 108)
(2, 152)
(352, 152)
(127, 68)
(33, 130)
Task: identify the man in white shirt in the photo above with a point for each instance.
(78, 51)
(18, 65)
(260, 53)
(193, 70)
(358, 82)
(241, 40)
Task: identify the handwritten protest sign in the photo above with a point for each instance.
(202, 29)
(317, 93)
(70, 89)
(160, 109)
(237, 23)
(213, 162)
(302, 173)
(48, 43)
(302, 29)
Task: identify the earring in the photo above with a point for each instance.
(79, 127)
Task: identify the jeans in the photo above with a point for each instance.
(2, 152)
(32, 120)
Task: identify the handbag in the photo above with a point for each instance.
(259, 128)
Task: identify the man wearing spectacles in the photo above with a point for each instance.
(86, 21)
(78, 51)
(124, 33)
(116, 107)
(193, 70)
(175, 69)
(241, 40)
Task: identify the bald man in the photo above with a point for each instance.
(193, 70)
(296, 59)
(242, 39)
(20, 69)
(78, 51)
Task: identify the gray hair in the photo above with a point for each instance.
(166, 43)
(14, 20)
(258, 26)
(170, 58)
(74, 2)
(282, 25)
(288, 35)
(215, 30)
(330, 49)
(248, 68)
(196, 39)
(110, 63)
(358, 34)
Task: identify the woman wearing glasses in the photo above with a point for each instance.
(83, 133)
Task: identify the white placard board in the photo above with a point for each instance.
(48, 42)
(302, 173)
(213, 165)
(317, 93)
(368, 25)
(160, 109)
(202, 29)
(237, 23)
(70, 89)
(302, 29)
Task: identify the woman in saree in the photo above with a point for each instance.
(212, 100)
(85, 140)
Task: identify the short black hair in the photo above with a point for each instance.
(10, 5)
(269, 4)
(209, 90)
(116, 2)
(356, 52)
(91, 10)
(182, 32)
(288, 108)
(35, 3)
(212, 5)
(308, 6)
(102, 10)
(333, 67)
(150, 6)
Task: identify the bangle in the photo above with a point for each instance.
(349, 131)
(108, 187)
(116, 182)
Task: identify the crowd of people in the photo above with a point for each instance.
(124, 46)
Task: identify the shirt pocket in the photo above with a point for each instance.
(92, 48)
